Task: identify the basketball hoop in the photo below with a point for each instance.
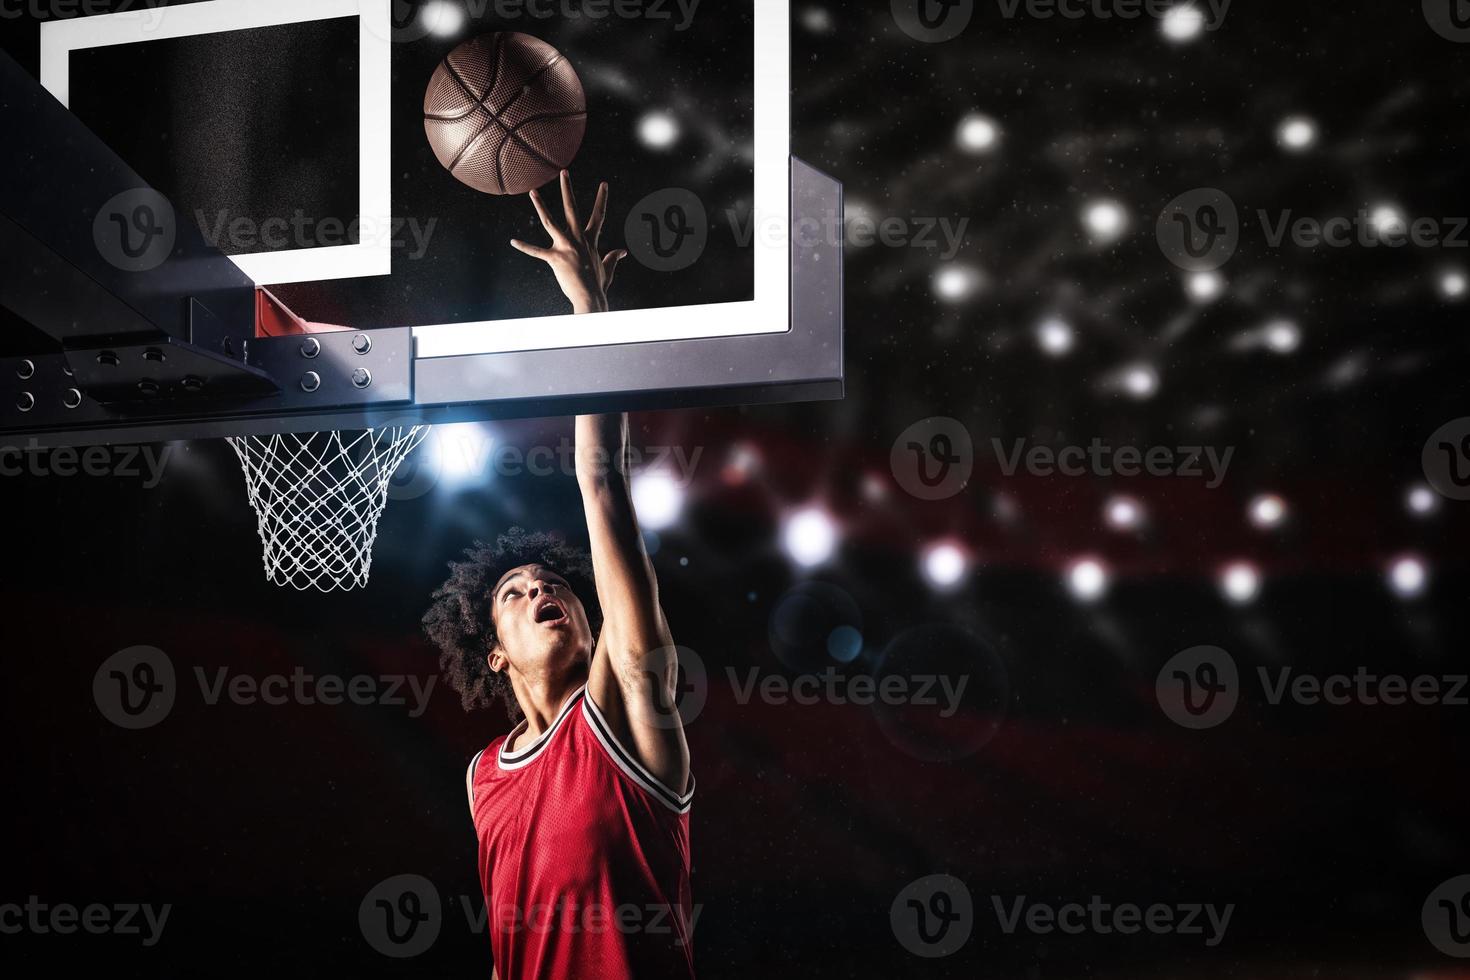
(317, 499)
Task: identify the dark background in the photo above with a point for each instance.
(1327, 827)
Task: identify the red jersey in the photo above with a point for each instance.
(584, 856)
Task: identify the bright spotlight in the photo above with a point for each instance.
(944, 565)
(1267, 511)
(817, 20)
(1240, 582)
(1282, 336)
(1141, 381)
(461, 454)
(657, 499)
(957, 283)
(1297, 133)
(658, 130)
(1055, 336)
(1088, 579)
(1388, 220)
(1205, 287)
(1183, 23)
(1106, 221)
(1452, 284)
(809, 537)
(1123, 513)
(1408, 576)
(442, 19)
(977, 133)
(1421, 501)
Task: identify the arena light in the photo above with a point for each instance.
(1123, 513)
(657, 499)
(1183, 23)
(1421, 501)
(1297, 134)
(658, 130)
(442, 18)
(1408, 576)
(944, 565)
(1205, 287)
(1087, 578)
(977, 133)
(1141, 381)
(1453, 284)
(809, 537)
(1106, 221)
(1267, 511)
(1282, 336)
(1240, 582)
(957, 283)
(1055, 336)
(461, 455)
(1387, 219)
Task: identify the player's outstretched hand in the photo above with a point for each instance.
(583, 273)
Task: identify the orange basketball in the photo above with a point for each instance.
(505, 112)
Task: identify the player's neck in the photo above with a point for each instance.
(542, 701)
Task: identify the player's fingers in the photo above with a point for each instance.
(569, 203)
(544, 254)
(599, 212)
(610, 265)
(546, 221)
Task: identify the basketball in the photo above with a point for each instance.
(505, 112)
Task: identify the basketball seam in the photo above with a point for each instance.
(479, 101)
(469, 144)
(495, 117)
(514, 134)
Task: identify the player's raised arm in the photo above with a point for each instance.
(634, 668)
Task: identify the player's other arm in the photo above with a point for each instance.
(634, 669)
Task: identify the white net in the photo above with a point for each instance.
(317, 499)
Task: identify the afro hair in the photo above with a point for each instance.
(459, 621)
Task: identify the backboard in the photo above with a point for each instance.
(228, 221)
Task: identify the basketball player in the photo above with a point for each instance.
(582, 811)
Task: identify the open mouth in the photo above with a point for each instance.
(549, 611)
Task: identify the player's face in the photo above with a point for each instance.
(541, 624)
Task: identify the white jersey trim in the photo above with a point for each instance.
(523, 758)
(629, 764)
